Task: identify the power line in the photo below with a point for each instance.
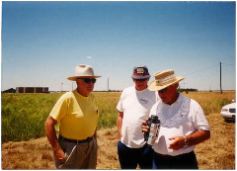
(202, 69)
(228, 64)
(220, 79)
(214, 71)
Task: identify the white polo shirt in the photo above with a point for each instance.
(135, 106)
(181, 118)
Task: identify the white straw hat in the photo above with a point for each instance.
(83, 71)
(164, 79)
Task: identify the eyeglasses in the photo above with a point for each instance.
(89, 80)
(163, 90)
(140, 80)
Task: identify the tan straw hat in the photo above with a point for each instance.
(164, 79)
(83, 71)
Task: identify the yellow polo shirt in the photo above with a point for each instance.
(76, 115)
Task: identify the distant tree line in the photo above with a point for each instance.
(12, 90)
(186, 90)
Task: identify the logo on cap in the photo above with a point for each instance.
(140, 73)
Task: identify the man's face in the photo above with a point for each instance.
(169, 94)
(86, 85)
(140, 84)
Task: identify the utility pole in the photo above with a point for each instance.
(220, 79)
(108, 84)
(61, 86)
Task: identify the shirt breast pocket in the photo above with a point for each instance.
(77, 114)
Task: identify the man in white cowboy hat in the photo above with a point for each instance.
(182, 124)
(76, 114)
(133, 107)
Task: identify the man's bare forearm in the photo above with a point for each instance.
(51, 133)
(119, 123)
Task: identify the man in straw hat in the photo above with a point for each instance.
(182, 124)
(133, 107)
(76, 114)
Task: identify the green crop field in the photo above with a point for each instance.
(23, 115)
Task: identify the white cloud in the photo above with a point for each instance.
(89, 57)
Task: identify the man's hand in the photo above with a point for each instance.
(59, 154)
(144, 127)
(191, 139)
(177, 143)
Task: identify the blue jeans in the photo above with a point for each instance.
(129, 158)
(183, 161)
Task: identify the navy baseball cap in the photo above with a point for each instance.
(140, 72)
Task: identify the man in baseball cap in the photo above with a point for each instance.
(133, 108)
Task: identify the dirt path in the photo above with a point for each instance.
(37, 154)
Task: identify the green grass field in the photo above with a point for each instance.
(23, 115)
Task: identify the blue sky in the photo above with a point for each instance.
(42, 42)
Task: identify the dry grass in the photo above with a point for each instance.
(37, 153)
(219, 151)
(107, 153)
(32, 154)
(216, 153)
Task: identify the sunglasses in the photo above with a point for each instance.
(89, 80)
(140, 80)
(163, 90)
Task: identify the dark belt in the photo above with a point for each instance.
(172, 157)
(75, 141)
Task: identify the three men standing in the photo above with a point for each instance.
(182, 123)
